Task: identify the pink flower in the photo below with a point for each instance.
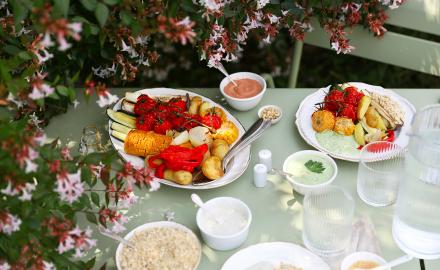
(5, 266)
(30, 166)
(9, 190)
(118, 226)
(262, 3)
(39, 88)
(131, 51)
(26, 192)
(105, 98)
(127, 200)
(9, 223)
(154, 185)
(69, 186)
(40, 138)
(62, 43)
(76, 239)
(65, 153)
(48, 266)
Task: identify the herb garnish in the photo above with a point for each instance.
(314, 166)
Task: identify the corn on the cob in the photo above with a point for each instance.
(143, 143)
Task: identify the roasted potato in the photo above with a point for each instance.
(323, 120)
(344, 126)
(168, 174)
(363, 106)
(219, 148)
(217, 142)
(372, 117)
(212, 168)
(195, 105)
(220, 113)
(183, 177)
(359, 134)
(205, 108)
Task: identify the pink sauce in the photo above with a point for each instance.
(246, 88)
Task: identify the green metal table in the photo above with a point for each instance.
(274, 219)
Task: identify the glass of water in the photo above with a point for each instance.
(90, 140)
(328, 221)
(379, 171)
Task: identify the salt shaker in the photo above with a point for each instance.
(260, 175)
(265, 157)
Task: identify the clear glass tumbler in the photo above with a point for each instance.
(90, 140)
(328, 221)
(380, 169)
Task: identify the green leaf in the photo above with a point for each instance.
(62, 90)
(314, 166)
(111, 2)
(72, 94)
(90, 263)
(126, 18)
(19, 10)
(91, 218)
(24, 55)
(12, 50)
(62, 6)
(95, 198)
(89, 4)
(101, 14)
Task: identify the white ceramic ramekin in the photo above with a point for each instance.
(243, 104)
(361, 256)
(224, 242)
(304, 188)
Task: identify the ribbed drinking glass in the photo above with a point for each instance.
(328, 221)
(379, 171)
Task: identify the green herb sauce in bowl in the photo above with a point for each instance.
(311, 170)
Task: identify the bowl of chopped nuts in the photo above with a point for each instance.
(270, 112)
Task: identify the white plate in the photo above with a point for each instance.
(307, 107)
(158, 224)
(272, 254)
(239, 163)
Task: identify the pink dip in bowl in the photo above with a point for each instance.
(246, 88)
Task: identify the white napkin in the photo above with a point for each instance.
(363, 238)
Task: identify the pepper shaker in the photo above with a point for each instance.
(265, 157)
(260, 175)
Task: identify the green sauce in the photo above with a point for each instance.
(337, 143)
(305, 176)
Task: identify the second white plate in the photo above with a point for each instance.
(264, 255)
(307, 107)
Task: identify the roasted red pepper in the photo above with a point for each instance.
(160, 171)
(390, 135)
(178, 158)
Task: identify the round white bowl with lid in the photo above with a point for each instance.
(243, 104)
(361, 256)
(152, 225)
(223, 241)
(303, 188)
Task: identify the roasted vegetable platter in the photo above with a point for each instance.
(342, 118)
(183, 136)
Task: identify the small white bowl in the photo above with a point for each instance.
(274, 121)
(304, 188)
(224, 242)
(158, 224)
(243, 104)
(361, 256)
